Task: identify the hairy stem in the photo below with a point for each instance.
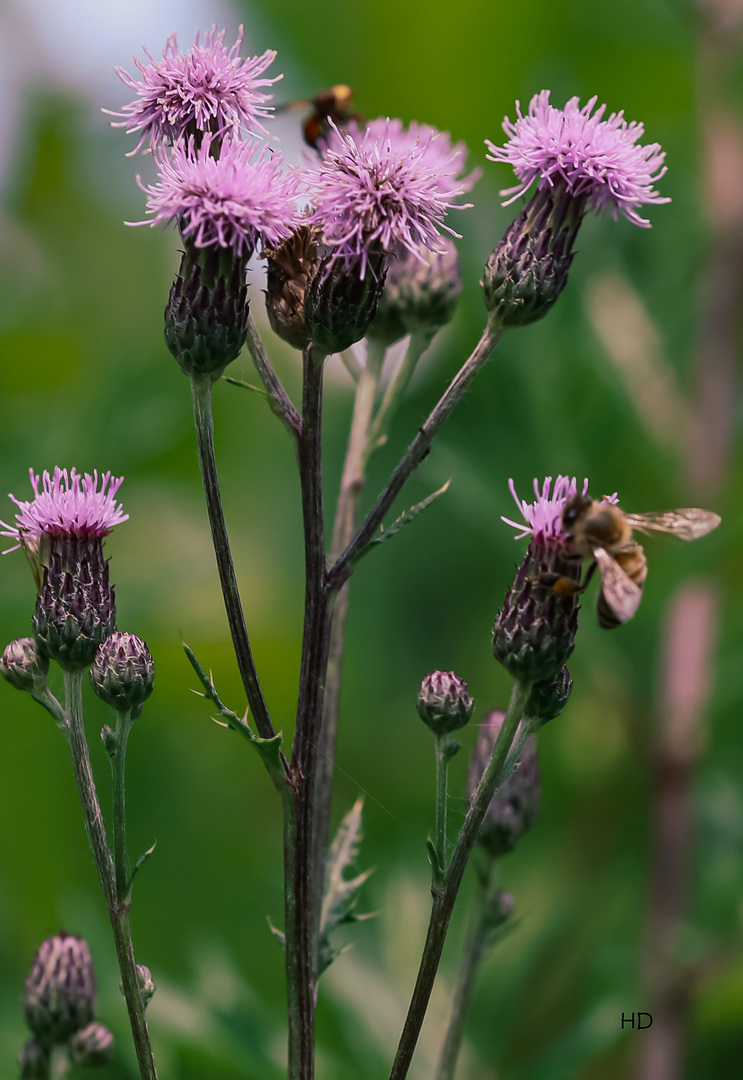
(300, 873)
(443, 757)
(352, 483)
(443, 901)
(118, 909)
(202, 405)
(415, 453)
(280, 402)
(118, 776)
(474, 951)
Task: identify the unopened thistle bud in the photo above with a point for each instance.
(420, 293)
(145, 983)
(24, 666)
(444, 702)
(76, 608)
(529, 268)
(59, 995)
(206, 318)
(123, 673)
(548, 698)
(513, 808)
(290, 267)
(92, 1045)
(33, 1063)
(499, 908)
(340, 303)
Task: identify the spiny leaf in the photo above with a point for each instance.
(404, 519)
(246, 386)
(341, 892)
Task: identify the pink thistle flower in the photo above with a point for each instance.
(382, 190)
(597, 160)
(229, 201)
(207, 89)
(68, 505)
(543, 518)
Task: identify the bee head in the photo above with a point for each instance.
(573, 511)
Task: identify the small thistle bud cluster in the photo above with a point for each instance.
(420, 293)
(24, 666)
(59, 994)
(59, 1006)
(548, 698)
(444, 702)
(513, 808)
(123, 673)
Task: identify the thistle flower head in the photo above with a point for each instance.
(68, 505)
(382, 189)
(229, 201)
(60, 991)
(208, 89)
(596, 160)
(543, 518)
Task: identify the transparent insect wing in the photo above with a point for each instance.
(620, 592)
(687, 524)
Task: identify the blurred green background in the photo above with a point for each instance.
(630, 381)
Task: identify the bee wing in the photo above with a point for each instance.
(687, 524)
(620, 592)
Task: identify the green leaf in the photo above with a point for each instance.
(278, 934)
(246, 386)
(268, 749)
(140, 862)
(399, 523)
(340, 893)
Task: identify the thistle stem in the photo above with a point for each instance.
(397, 386)
(474, 951)
(419, 447)
(201, 390)
(352, 483)
(118, 776)
(280, 402)
(118, 908)
(443, 900)
(443, 757)
(60, 1065)
(299, 867)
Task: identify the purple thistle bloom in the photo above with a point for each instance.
(68, 505)
(209, 88)
(383, 189)
(597, 160)
(543, 518)
(229, 201)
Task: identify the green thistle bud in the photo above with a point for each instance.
(548, 698)
(290, 266)
(340, 305)
(92, 1045)
(444, 703)
(76, 608)
(206, 318)
(123, 673)
(24, 666)
(145, 983)
(529, 269)
(420, 295)
(33, 1063)
(534, 633)
(59, 995)
(513, 808)
(499, 908)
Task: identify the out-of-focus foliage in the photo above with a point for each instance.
(86, 380)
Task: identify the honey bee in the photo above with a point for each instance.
(601, 532)
(333, 104)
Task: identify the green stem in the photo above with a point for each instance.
(474, 951)
(60, 1065)
(443, 901)
(118, 911)
(396, 387)
(352, 483)
(419, 447)
(118, 776)
(443, 757)
(201, 390)
(280, 402)
(299, 867)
